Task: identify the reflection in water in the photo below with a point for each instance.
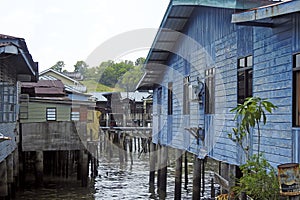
(113, 182)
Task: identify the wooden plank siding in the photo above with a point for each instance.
(221, 43)
(37, 111)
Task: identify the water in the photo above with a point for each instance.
(114, 181)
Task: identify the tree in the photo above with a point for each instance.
(112, 73)
(80, 67)
(58, 66)
(131, 78)
(140, 61)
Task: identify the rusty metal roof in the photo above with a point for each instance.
(169, 33)
(45, 88)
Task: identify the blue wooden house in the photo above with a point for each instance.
(207, 57)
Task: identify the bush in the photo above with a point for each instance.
(259, 179)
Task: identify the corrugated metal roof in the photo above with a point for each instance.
(173, 23)
(273, 10)
(20, 57)
(46, 87)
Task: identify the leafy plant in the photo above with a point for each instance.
(251, 112)
(259, 179)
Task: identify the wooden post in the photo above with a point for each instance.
(152, 167)
(178, 174)
(3, 180)
(39, 167)
(196, 178)
(10, 173)
(21, 169)
(186, 176)
(84, 168)
(134, 144)
(125, 147)
(158, 167)
(163, 172)
(130, 150)
(15, 171)
(203, 176)
(212, 189)
(121, 149)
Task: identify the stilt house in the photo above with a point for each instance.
(207, 57)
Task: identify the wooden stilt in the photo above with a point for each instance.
(152, 167)
(39, 167)
(163, 172)
(3, 180)
(203, 176)
(186, 176)
(10, 173)
(121, 149)
(196, 178)
(84, 168)
(178, 174)
(130, 150)
(158, 164)
(134, 144)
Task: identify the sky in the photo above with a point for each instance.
(69, 31)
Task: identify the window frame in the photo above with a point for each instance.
(51, 114)
(210, 90)
(170, 98)
(244, 70)
(75, 116)
(186, 101)
(296, 72)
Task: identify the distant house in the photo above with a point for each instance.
(16, 64)
(71, 83)
(207, 57)
(123, 108)
(46, 106)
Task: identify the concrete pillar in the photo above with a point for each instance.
(3, 180)
(196, 178)
(178, 174)
(39, 167)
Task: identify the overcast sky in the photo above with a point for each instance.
(70, 30)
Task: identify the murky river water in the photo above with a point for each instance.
(113, 182)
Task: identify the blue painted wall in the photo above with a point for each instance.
(220, 44)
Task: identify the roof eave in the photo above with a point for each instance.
(265, 12)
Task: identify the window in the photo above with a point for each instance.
(170, 98)
(186, 104)
(245, 78)
(296, 90)
(75, 116)
(210, 91)
(7, 102)
(51, 114)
